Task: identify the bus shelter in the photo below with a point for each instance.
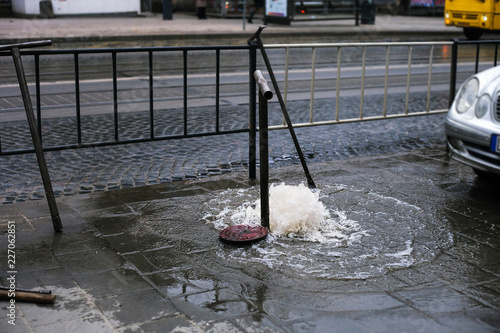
(286, 11)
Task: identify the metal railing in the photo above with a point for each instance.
(331, 71)
(76, 54)
(336, 70)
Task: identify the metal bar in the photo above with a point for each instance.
(496, 55)
(453, 72)
(264, 160)
(184, 64)
(38, 96)
(151, 97)
(238, 47)
(265, 94)
(476, 68)
(313, 75)
(408, 80)
(362, 97)
(263, 86)
(217, 90)
(358, 120)
(26, 45)
(369, 44)
(44, 171)
(252, 116)
(115, 96)
(429, 82)
(386, 80)
(337, 99)
(122, 142)
(131, 50)
(77, 99)
(287, 59)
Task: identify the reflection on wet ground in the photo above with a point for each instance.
(411, 244)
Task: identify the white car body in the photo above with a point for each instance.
(473, 123)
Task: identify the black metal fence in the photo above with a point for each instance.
(108, 65)
(179, 68)
(477, 54)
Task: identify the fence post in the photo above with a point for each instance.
(453, 71)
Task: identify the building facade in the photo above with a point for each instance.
(75, 7)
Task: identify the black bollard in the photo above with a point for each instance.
(167, 9)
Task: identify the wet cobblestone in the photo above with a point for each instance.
(131, 165)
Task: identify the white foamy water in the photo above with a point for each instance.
(338, 232)
(294, 212)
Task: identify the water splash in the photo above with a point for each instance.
(338, 232)
(294, 212)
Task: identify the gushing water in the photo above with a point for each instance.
(338, 232)
(293, 210)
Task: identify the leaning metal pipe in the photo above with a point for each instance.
(37, 142)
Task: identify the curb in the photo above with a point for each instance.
(242, 36)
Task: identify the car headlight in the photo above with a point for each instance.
(483, 105)
(467, 95)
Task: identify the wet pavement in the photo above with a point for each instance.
(423, 255)
(412, 242)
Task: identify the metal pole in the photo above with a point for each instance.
(23, 85)
(265, 94)
(264, 161)
(310, 181)
(453, 72)
(252, 121)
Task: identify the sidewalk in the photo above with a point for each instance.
(411, 244)
(186, 26)
(421, 256)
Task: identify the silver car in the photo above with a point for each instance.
(473, 123)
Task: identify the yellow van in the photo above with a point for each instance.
(474, 16)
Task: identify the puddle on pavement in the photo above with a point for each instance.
(356, 233)
(360, 234)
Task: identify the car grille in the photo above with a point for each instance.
(482, 153)
(460, 16)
